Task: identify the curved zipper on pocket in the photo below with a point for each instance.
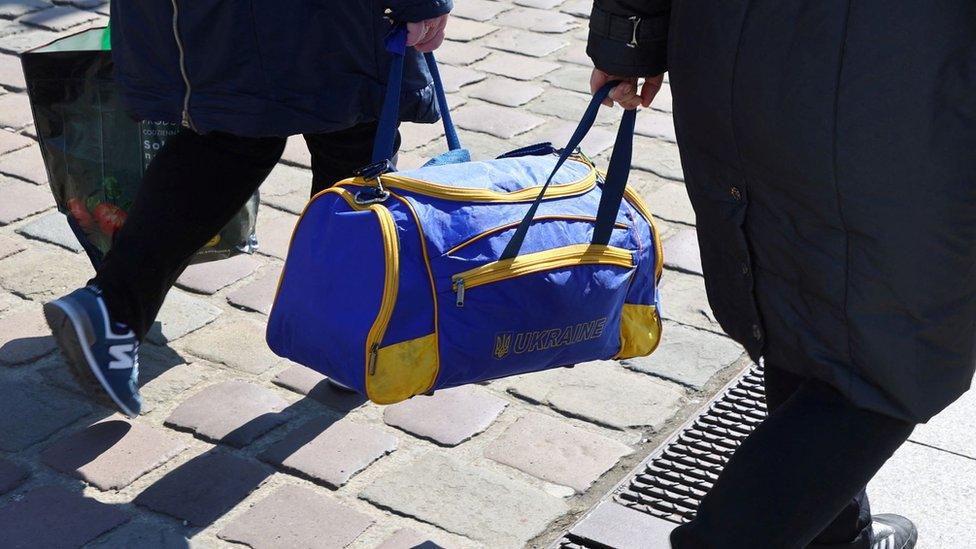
(473, 239)
(391, 287)
(567, 256)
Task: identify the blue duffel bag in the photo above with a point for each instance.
(400, 283)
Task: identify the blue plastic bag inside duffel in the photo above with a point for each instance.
(400, 283)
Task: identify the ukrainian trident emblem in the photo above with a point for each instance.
(503, 345)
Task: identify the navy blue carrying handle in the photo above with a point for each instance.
(614, 184)
(396, 43)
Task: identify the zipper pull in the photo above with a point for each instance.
(374, 352)
(460, 292)
(186, 119)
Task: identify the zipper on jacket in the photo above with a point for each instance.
(186, 121)
(567, 256)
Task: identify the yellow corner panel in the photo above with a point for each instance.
(404, 370)
(640, 331)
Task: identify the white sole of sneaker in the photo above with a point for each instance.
(81, 341)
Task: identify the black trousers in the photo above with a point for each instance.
(191, 190)
(798, 481)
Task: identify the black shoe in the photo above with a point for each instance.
(892, 532)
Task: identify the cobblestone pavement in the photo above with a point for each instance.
(237, 446)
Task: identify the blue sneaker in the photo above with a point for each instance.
(103, 355)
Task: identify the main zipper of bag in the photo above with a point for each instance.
(186, 121)
(567, 256)
(391, 287)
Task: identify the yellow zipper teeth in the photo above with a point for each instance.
(568, 256)
(391, 287)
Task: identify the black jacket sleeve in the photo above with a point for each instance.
(629, 37)
(411, 11)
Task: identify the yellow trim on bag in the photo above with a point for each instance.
(447, 192)
(391, 287)
(566, 256)
(405, 370)
(640, 331)
(638, 202)
(472, 240)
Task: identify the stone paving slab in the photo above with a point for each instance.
(294, 516)
(296, 152)
(505, 92)
(209, 278)
(537, 20)
(274, 234)
(497, 121)
(230, 412)
(525, 43)
(463, 30)
(26, 163)
(181, 314)
(461, 53)
(655, 124)
(60, 18)
(603, 393)
(111, 454)
(31, 412)
(21, 199)
(52, 228)
(10, 141)
(237, 343)
(203, 489)
(24, 337)
(620, 527)
(406, 538)
(314, 385)
(9, 246)
(448, 417)
(688, 356)
(477, 10)
(515, 66)
(330, 452)
(171, 384)
(11, 475)
(15, 111)
(556, 451)
(455, 78)
(258, 295)
(953, 430)
(51, 516)
(28, 39)
(658, 157)
(144, 535)
(668, 199)
(10, 9)
(681, 252)
(466, 500)
(44, 276)
(685, 303)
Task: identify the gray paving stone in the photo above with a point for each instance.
(51, 516)
(681, 251)
(43, 276)
(10, 141)
(257, 295)
(603, 393)
(515, 66)
(11, 475)
(497, 121)
(662, 101)
(524, 42)
(556, 451)
(15, 111)
(209, 278)
(29, 39)
(292, 203)
(111, 454)
(405, 538)
(477, 10)
(448, 417)
(462, 30)
(285, 179)
(933, 488)
(684, 301)
(294, 516)
(231, 412)
(461, 53)
(655, 124)
(238, 343)
(455, 78)
(667, 199)
(59, 18)
(314, 385)
(11, 72)
(11, 9)
(170, 385)
(540, 4)
(953, 429)
(613, 525)
(31, 412)
(24, 337)
(595, 142)
(688, 356)
(181, 314)
(145, 535)
(9, 246)
(561, 104)
(26, 163)
(659, 157)
(537, 20)
(417, 135)
(203, 489)
(296, 152)
(572, 77)
(9, 302)
(467, 500)
(52, 228)
(274, 234)
(21, 199)
(578, 8)
(576, 54)
(505, 92)
(330, 452)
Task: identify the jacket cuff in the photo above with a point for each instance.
(407, 11)
(645, 56)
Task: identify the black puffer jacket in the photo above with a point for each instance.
(829, 150)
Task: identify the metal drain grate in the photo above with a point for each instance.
(672, 481)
